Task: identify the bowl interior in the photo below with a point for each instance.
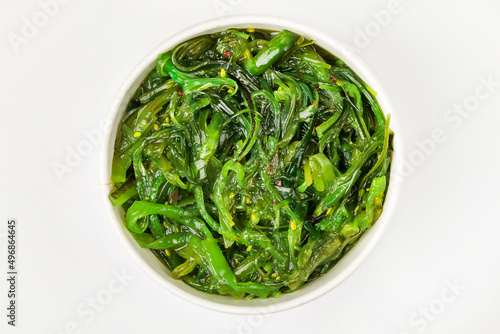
(349, 262)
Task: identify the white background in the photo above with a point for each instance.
(430, 56)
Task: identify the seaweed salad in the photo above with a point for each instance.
(249, 161)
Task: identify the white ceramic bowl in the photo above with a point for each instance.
(309, 291)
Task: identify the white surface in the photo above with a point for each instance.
(429, 58)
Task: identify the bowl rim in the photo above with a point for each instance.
(369, 239)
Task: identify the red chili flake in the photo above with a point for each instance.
(227, 53)
(300, 74)
(309, 217)
(175, 196)
(318, 123)
(334, 80)
(179, 92)
(278, 183)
